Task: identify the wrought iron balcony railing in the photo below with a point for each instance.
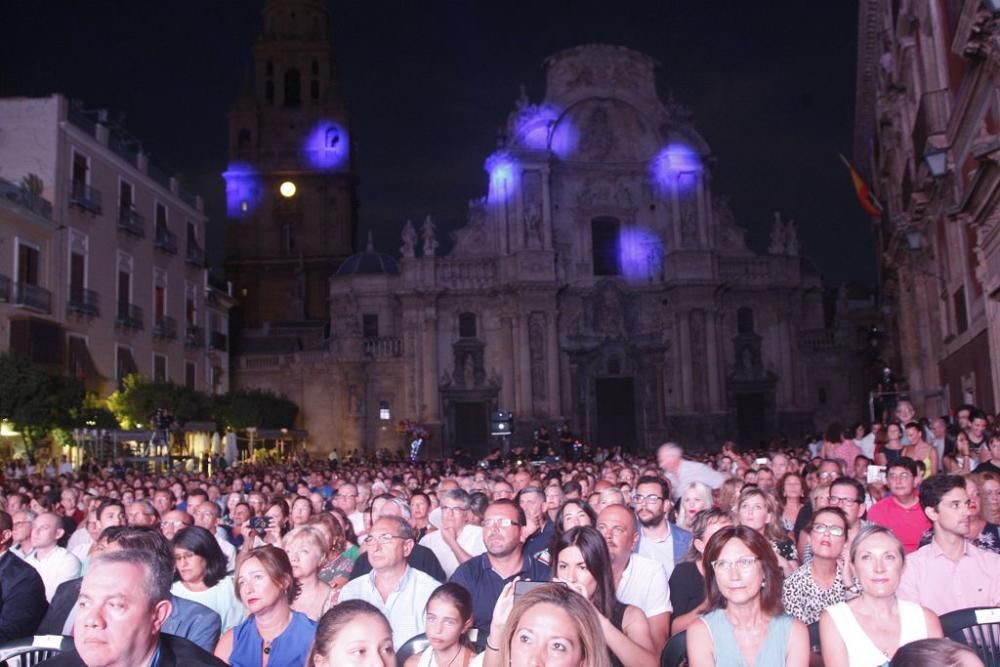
(130, 222)
(83, 302)
(165, 240)
(220, 341)
(33, 296)
(129, 316)
(195, 336)
(165, 327)
(85, 197)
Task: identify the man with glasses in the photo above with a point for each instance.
(21, 544)
(346, 499)
(206, 515)
(142, 513)
(659, 539)
(458, 540)
(399, 591)
(900, 512)
(950, 573)
(420, 557)
(639, 581)
(485, 575)
(173, 521)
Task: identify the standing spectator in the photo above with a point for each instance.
(639, 581)
(977, 434)
(900, 512)
(458, 540)
(950, 573)
(447, 618)
(53, 562)
(486, 575)
(680, 472)
(22, 594)
(919, 450)
(392, 586)
(659, 539)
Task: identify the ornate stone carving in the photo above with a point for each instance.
(531, 187)
(536, 351)
(408, 249)
(777, 245)
(430, 241)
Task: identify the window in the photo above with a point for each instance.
(972, 259)
(961, 314)
(314, 90)
(744, 321)
(161, 219)
(287, 238)
(383, 411)
(467, 325)
(190, 305)
(369, 326)
(159, 368)
(159, 295)
(77, 265)
(190, 375)
(293, 88)
(243, 141)
(81, 169)
(126, 196)
(124, 365)
(28, 260)
(605, 246)
(124, 285)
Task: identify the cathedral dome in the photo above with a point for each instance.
(369, 262)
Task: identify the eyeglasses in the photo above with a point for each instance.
(841, 500)
(744, 564)
(385, 538)
(898, 476)
(171, 522)
(498, 523)
(835, 531)
(639, 500)
(452, 510)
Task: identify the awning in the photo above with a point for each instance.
(126, 363)
(81, 365)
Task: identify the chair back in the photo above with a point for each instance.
(29, 651)
(675, 652)
(978, 628)
(413, 646)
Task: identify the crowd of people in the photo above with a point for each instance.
(868, 535)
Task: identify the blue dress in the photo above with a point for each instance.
(772, 652)
(289, 649)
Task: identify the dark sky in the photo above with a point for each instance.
(770, 83)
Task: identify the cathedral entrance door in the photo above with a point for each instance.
(751, 418)
(472, 427)
(615, 412)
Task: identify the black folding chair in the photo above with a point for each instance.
(978, 628)
(413, 646)
(30, 651)
(674, 654)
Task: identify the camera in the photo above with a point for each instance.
(260, 524)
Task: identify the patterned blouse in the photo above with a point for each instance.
(805, 599)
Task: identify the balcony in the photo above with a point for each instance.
(129, 316)
(382, 348)
(33, 296)
(82, 302)
(130, 222)
(165, 240)
(195, 336)
(25, 198)
(194, 255)
(219, 341)
(85, 197)
(165, 327)
(5, 289)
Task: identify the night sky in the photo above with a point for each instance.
(771, 86)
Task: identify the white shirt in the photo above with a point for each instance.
(662, 551)
(470, 539)
(357, 520)
(644, 585)
(55, 568)
(229, 551)
(80, 536)
(404, 607)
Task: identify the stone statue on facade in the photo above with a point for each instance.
(408, 249)
(430, 241)
(777, 245)
(792, 239)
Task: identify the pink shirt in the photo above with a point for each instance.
(908, 523)
(847, 451)
(935, 581)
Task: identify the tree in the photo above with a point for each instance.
(35, 400)
(256, 408)
(136, 402)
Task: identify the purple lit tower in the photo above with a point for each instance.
(290, 188)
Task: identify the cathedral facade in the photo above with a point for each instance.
(599, 283)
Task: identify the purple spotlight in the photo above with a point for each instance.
(676, 160)
(243, 189)
(565, 138)
(641, 254)
(327, 147)
(501, 168)
(534, 125)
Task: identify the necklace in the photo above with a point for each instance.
(457, 653)
(268, 642)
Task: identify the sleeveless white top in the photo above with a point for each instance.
(861, 650)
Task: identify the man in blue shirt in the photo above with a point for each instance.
(485, 575)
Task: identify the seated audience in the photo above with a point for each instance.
(53, 562)
(758, 510)
(307, 548)
(22, 592)
(447, 620)
(201, 575)
(936, 653)
(687, 581)
(900, 511)
(349, 630)
(820, 582)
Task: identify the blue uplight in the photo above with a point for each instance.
(674, 160)
(641, 254)
(533, 126)
(503, 182)
(327, 146)
(243, 189)
(565, 138)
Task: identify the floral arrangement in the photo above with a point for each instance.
(412, 429)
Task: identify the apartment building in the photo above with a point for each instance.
(102, 261)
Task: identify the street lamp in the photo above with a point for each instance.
(287, 189)
(936, 158)
(914, 239)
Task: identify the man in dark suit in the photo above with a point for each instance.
(22, 593)
(190, 620)
(123, 603)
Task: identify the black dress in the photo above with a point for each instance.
(687, 588)
(617, 618)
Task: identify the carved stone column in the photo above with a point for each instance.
(553, 363)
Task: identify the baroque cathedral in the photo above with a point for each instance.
(598, 283)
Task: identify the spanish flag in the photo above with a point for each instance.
(865, 196)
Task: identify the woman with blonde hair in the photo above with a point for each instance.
(695, 497)
(549, 625)
(307, 548)
(759, 510)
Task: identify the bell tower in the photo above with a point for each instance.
(291, 192)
